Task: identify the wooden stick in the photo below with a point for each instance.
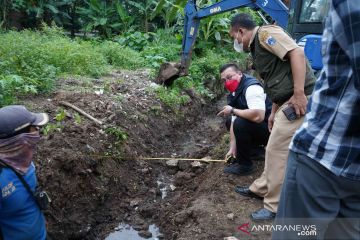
(81, 112)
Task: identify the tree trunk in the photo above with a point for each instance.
(73, 19)
(146, 24)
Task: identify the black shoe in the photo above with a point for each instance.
(245, 191)
(236, 168)
(262, 215)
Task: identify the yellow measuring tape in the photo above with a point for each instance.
(185, 159)
(161, 158)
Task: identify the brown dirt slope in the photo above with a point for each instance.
(96, 182)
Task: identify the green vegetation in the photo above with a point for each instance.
(118, 133)
(58, 125)
(32, 60)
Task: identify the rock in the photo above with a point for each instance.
(196, 164)
(183, 217)
(149, 211)
(172, 187)
(145, 234)
(183, 177)
(153, 191)
(160, 237)
(134, 202)
(145, 170)
(154, 85)
(172, 163)
(230, 216)
(141, 227)
(183, 165)
(99, 92)
(206, 158)
(138, 221)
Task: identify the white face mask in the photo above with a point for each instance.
(239, 47)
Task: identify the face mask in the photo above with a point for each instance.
(239, 47)
(231, 85)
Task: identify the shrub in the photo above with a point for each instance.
(134, 40)
(172, 97)
(10, 84)
(120, 56)
(41, 56)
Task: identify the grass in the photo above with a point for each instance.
(32, 61)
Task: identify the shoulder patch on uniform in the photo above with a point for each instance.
(270, 41)
(263, 35)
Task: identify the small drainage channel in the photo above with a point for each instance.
(126, 232)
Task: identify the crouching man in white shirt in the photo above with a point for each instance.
(249, 109)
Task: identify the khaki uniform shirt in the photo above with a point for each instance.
(275, 40)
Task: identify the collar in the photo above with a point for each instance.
(240, 88)
(253, 35)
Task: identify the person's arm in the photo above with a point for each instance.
(298, 68)
(232, 149)
(276, 41)
(345, 19)
(253, 115)
(271, 118)
(255, 99)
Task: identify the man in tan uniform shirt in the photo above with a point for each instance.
(287, 79)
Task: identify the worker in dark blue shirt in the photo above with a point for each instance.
(20, 215)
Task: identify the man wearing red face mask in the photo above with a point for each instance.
(250, 109)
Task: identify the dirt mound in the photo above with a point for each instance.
(94, 176)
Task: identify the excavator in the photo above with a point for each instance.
(303, 20)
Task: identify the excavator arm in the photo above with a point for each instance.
(170, 71)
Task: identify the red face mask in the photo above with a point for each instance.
(231, 85)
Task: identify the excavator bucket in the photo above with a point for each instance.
(168, 73)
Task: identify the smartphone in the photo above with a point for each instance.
(290, 113)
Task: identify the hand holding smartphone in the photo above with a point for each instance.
(289, 112)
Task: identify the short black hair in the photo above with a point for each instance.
(234, 66)
(243, 20)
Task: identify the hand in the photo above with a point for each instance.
(226, 111)
(271, 120)
(299, 102)
(230, 153)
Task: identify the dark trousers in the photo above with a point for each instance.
(249, 136)
(312, 195)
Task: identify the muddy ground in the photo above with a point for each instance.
(96, 180)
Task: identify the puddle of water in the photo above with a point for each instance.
(126, 232)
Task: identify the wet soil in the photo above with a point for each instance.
(96, 180)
